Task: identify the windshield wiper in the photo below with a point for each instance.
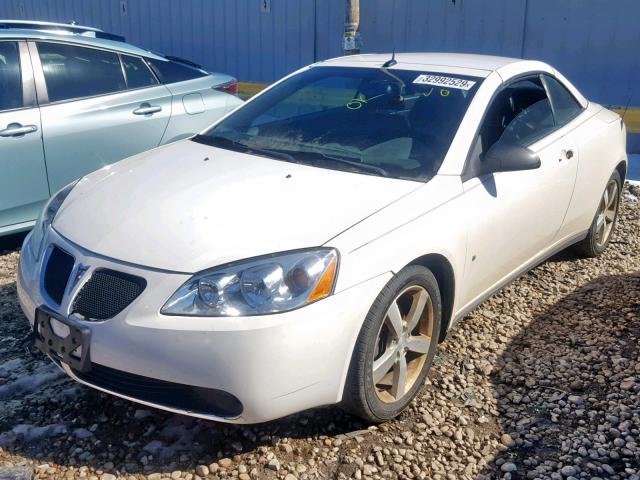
(358, 165)
(215, 141)
(337, 155)
(271, 153)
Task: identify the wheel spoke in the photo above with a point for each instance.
(600, 224)
(382, 365)
(419, 344)
(607, 213)
(613, 194)
(601, 228)
(394, 320)
(607, 232)
(417, 309)
(399, 378)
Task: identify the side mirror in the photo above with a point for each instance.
(510, 157)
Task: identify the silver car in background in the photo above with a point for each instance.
(74, 99)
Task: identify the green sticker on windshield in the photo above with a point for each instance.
(356, 103)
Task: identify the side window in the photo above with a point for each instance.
(10, 77)
(565, 106)
(521, 114)
(76, 72)
(137, 73)
(169, 71)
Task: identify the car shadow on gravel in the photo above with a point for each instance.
(11, 242)
(568, 387)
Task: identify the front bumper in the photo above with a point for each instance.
(274, 365)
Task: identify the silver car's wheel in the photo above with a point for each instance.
(402, 343)
(607, 212)
(395, 347)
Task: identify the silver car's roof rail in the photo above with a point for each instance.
(60, 28)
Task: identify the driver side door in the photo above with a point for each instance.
(513, 217)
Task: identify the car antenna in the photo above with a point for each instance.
(626, 107)
(391, 62)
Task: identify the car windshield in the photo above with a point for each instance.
(387, 122)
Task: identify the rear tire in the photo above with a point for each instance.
(395, 347)
(604, 221)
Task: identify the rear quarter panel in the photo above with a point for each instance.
(602, 144)
(196, 105)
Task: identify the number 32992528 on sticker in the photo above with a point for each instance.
(442, 81)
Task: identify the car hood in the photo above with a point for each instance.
(186, 206)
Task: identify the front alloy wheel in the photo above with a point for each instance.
(396, 346)
(402, 345)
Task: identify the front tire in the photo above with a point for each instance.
(604, 222)
(395, 347)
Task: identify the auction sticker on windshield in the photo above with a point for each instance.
(441, 81)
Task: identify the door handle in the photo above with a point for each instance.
(17, 130)
(146, 109)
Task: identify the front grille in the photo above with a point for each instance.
(205, 401)
(56, 274)
(107, 293)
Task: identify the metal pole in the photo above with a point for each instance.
(351, 40)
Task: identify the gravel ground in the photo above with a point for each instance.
(541, 381)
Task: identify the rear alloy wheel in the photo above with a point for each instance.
(607, 213)
(395, 347)
(604, 221)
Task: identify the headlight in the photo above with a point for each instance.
(272, 284)
(46, 218)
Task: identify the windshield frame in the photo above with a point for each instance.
(330, 158)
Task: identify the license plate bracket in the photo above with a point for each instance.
(73, 349)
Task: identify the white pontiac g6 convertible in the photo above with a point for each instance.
(315, 245)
